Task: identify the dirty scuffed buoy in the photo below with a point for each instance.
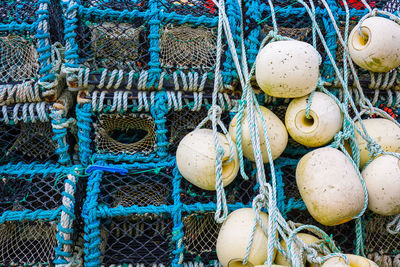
(330, 186)
(287, 69)
(196, 159)
(353, 259)
(277, 135)
(325, 120)
(385, 133)
(307, 239)
(378, 47)
(382, 178)
(234, 236)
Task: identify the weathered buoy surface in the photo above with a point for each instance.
(378, 47)
(330, 186)
(385, 133)
(277, 135)
(308, 239)
(287, 69)
(382, 178)
(196, 159)
(234, 237)
(355, 261)
(325, 120)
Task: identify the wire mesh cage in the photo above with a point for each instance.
(128, 45)
(30, 58)
(34, 229)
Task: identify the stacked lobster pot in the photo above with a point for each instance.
(145, 73)
(37, 180)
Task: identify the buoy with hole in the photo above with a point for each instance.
(355, 261)
(196, 159)
(385, 133)
(234, 237)
(324, 122)
(307, 239)
(377, 48)
(287, 68)
(277, 135)
(382, 178)
(329, 186)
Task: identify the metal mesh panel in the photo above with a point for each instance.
(27, 142)
(200, 236)
(142, 188)
(27, 242)
(140, 239)
(19, 58)
(185, 47)
(18, 11)
(125, 134)
(114, 45)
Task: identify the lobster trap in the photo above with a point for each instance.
(30, 55)
(146, 45)
(37, 212)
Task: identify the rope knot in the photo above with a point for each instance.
(215, 109)
(374, 149)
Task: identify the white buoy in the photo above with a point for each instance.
(382, 178)
(377, 48)
(385, 133)
(277, 135)
(234, 236)
(353, 259)
(330, 186)
(196, 159)
(287, 68)
(325, 120)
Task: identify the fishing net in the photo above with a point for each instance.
(200, 236)
(25, 243)
(27, 142)
(118, 5)
(19, 58)
(182, 122)
(140, 239)
(381, 246)
(128, 134)
(195, 8)
(114, 45)
(18, 11)
(239, 191)
(185, 47)
(151, 187)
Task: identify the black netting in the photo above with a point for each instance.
(130, 134)
(189, 7)
(114, 45)
(56, 24)
(141, 188)
(200, 236)
(27, 242)
(117, 5)
(35, 192)
(27, 142)
(239, 190)
(180, 123)
(137, 239)
(18, 11)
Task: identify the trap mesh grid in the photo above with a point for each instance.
(36, 207)
(28, 29)
(148, 44)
